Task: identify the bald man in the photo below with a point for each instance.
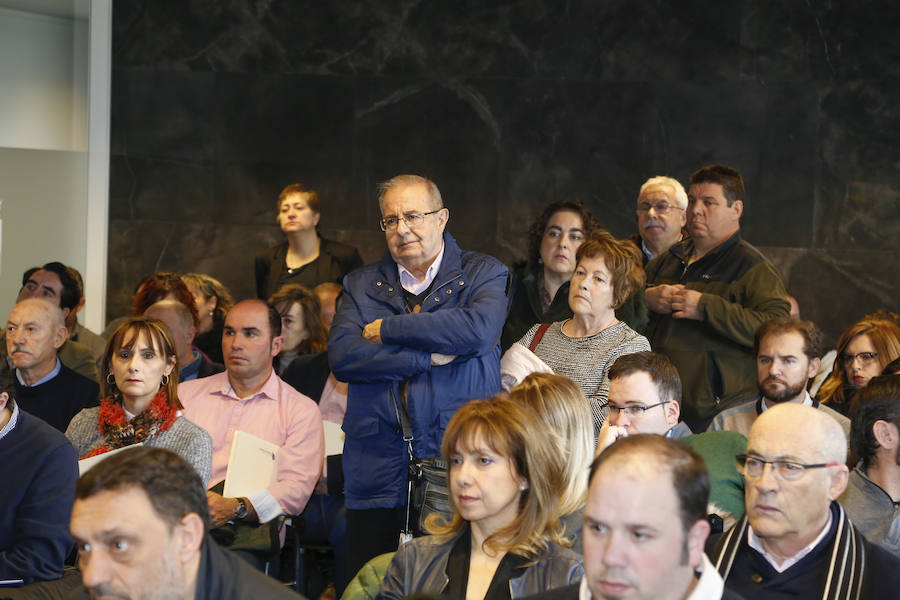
(45, 387)
(795, 541)
(192, 363)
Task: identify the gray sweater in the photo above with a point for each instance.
(873, 512)
(587, 360)
(184, 438)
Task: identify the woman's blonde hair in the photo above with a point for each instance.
(126, 336)
(564, 413)
(509, 430)
(885, 337)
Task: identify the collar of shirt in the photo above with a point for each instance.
(709, 582)
(268, 390)
(413, 285)
(191, 369)
(45, 378)
(807, 401)
(754, 542)
(11, 424)
(584, 592)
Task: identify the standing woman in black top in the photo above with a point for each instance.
(305, 258)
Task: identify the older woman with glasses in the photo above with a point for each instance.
(583, 348)
(305, 258)
(863, 350)
(539, 292)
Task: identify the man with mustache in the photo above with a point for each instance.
(249, 396)
(662, 213)
(707, 296)
(45, 387)
(787, 355)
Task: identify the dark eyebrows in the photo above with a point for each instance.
(44, 287)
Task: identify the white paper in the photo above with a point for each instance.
(252, 465)
(86, 464)
(334, 438)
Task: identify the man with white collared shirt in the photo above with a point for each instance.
(787, 356)
(795, 540)
(249, 396)
(45, 387)
(417, 335)
(645, 526)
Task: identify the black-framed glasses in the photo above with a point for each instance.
(635, 410)
(661, 208)
(412, 220)
(865, 358)
(752, 466)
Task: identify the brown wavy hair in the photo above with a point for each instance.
(885, 337)
(126, 336)
(157, 286)
(511, 431)
(622, 258)
(294, 293)
(208, 287)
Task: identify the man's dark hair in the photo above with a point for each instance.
(172, 485)
(878, 401)
(690, 477)
(72, 290)
(812, 337)
(662, 372)
(729, 178)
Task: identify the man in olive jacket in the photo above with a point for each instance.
(707, 296)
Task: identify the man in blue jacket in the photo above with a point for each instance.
(417, 335)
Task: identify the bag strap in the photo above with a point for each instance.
(538, 336)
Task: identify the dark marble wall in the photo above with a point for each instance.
(216, 105)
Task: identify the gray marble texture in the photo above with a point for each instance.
(507, 105)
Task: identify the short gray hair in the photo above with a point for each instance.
(681, 198)
(434, 193)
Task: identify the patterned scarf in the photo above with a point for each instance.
(846, 565)
(119, 432)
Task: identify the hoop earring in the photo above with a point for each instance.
(110, 379)
(165, 380)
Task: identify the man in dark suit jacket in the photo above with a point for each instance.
(645, 525)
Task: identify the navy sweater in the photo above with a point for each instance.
(39, 470)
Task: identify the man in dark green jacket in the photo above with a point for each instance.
(707, 296)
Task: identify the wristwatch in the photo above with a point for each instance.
(242, 510)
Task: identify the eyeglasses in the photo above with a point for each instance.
(633, 411)
(661, 208)
(865, 358)
(412, 220)
(751, 466)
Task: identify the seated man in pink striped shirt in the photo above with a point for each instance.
(249, 396)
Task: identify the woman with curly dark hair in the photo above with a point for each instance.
(540, 286)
